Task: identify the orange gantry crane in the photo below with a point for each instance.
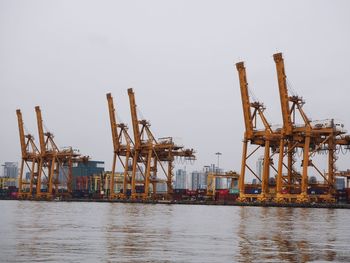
(313, 138)
(122, 149)
(51, 167)
(150, 152)
(146, 154)
(309, 138)
(56, 163)
(30, 159)
(264, 138)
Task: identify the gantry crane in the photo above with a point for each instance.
(311, 137)
(141, 150)
(150, 152)
(292, 139)
(52, 161)
(266, 138)
(122, 149)
(30, 159)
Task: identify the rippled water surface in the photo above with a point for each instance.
(114, 232)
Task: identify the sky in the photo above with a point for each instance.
(178, 56)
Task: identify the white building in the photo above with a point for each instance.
(199, 180)
(180, 179)
(10, 169)
(259, 167)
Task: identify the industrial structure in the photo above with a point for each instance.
(123, 150)
(146, 153)
(232, 176)
(311, 138)
(30, 159)
(258, 137)
(287, 171)
(45, 164)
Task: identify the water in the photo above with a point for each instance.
(106, 232)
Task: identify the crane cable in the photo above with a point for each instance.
(290, 87)
(25, 129)
(252, 95)
(119, 119)
(45, 127)
(139, 113)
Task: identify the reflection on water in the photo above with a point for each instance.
(293, 235)
(95, 232)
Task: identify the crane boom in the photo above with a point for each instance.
(135, 122)
(283, 91)
(21, 133)
(40, 130)
(245, 99)
(113, 121)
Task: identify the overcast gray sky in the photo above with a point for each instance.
(178, 56)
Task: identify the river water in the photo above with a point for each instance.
(115, 232)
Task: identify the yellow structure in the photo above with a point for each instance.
(264, 138)
(211, 181)
(44, 164)
(5, 182)
(150, 152)
(146, 153)
(30, 159)
(310, 138)
(123, 150)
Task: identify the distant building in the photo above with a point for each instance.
(180, 179)
(259, 167)
(195, 180)
(86, 169)
(139, 174)
(221, 183)
(339, 183)
(161, 187)
(63, 175)
(28, 176)
(10, 171)
(212, 169)
(199, 180)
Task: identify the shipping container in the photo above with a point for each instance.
(252, 191)
(295, 191)
(191, 192)
(180, 191)
(317, 190)
(232, 197)
(140, 189)
(177, 196)
(234, 191)
(223, 191)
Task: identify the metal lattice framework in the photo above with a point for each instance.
(308, 137)
(30, 159)
(146, 152)
(46, 164)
